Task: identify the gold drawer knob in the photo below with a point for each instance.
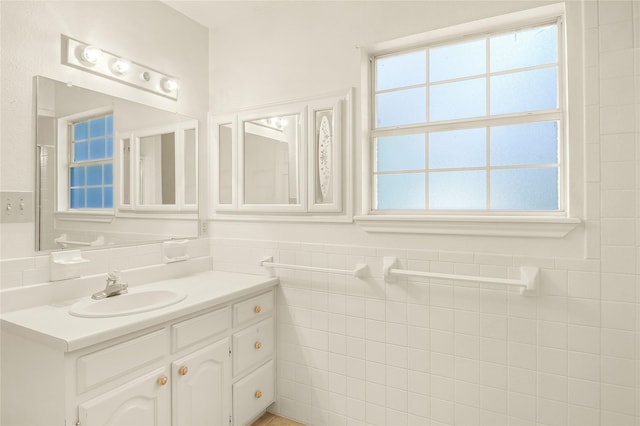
(257, 309)
(183, 370)
(162, 380)
(258, 394)
(258, 345)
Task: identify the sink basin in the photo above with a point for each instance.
(130, 303)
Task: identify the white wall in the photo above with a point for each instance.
(361, 351)
(150, 33)
(317, 49)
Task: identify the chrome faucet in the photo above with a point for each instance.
(113, 288)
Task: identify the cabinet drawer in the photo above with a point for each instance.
(101, 366)
(252, 346)
(253, 394)
(194, 330)
(254, 308)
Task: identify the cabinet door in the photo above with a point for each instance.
(202, 386)
(144, 401)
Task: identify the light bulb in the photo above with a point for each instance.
(120, 66)
(169, 85)
(91, 54)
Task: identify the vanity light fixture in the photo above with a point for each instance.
(90, 54)
(91, 58)
(169, 85)
(120, 66)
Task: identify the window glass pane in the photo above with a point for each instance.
(109, 125)
(458, 60)
(97, 127)
(536, 46)
(94, 175)
(96, 149)
(401, 107)
(109, 151)
(80, 131)
(108, 174)
(80, 151)
(400, 192)
(401, 70)
(524, 189)
(76, 176)
(524, 91)
(532, 143)
(462, 99)
(94, 198)
(458, 190)
(458, 148)
(400, 153)
(108, 197)
(76, 198)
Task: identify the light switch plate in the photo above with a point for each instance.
(16, 207)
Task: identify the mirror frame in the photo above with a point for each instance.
(134, 137)
(339, 208)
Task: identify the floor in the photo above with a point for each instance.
(273, 420)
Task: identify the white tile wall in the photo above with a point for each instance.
(434, 352)
(28, 271)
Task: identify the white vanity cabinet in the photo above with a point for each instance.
(143, 402)
(253, 349)
(182, 372)
(200, 386)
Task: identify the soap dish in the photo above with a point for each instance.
(65, 265)
(175, 250)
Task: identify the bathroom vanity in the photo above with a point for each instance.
(207, 359)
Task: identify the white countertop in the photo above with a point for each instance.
(53, 325)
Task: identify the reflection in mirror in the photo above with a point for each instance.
(271, 148)
(126, 171)
(157, 169)
(190, 171)
(86, 162)
(225, 163)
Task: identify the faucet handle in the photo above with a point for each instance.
(114, 276)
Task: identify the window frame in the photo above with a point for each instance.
(479, 222)
(65, 153)
(91, 162)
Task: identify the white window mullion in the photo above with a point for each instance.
(488, 129)
(426, 134)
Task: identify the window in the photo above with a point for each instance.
(473, 125)
(91, 163)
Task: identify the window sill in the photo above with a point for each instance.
(499, 226)
(86, 216)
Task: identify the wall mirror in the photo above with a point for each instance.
(271, 150)
(92, 189)
(287, 159)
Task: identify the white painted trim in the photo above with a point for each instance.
(569, 201)
(500, 226)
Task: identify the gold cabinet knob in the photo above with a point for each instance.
(258, 394)
(257, 309)
(258, 345)
(162, 380)
(183, 370)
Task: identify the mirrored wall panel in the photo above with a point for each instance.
(271, 150)
(104, 177)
